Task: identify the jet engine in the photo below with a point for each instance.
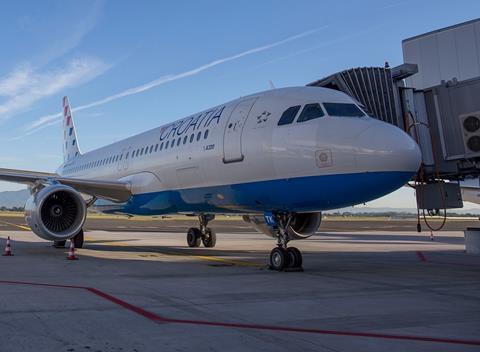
(302, 226)
(56, 212)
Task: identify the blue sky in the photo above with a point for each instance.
(133, 65)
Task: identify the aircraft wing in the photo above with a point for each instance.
(113, 190)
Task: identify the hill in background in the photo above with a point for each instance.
(17, 199)
(14, 199)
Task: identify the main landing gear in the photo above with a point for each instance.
(78, 240)
(281, 257)
(204, 234)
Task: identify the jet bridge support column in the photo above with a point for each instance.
(472, 240)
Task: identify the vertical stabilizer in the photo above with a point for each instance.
(70, 142)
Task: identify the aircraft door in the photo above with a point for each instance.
(232, 137)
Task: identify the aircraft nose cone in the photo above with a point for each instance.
(384, 147)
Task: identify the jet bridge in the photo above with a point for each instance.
(435, 97)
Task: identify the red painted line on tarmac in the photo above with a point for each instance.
(421, 256)
(159, 319)
(40, 284)
(324, 332)
(126, 305)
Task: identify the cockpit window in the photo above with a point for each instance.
(343, 109)
(288, 115)
(310, 112)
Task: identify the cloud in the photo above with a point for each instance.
(73, 30)
(24, 86)
(51, 119)
(16, 81)
(322, 45)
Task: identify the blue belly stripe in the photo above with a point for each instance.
(300, 194)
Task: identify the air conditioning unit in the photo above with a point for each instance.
(470, 125)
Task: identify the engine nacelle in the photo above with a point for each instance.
(302, 226)
(56, 212)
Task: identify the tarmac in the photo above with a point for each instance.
(133, 290)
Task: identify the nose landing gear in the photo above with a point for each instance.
(283, 258)
(204, 234)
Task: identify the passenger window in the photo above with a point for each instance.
(192, 136)
(156, 147)
(310, 112)
(166, 145)
(288, 115)
(151, 149)
(178, 141)
(205, 134)
(126, 156)
(161, 146)
(199, 135)
(185, 139)
(343, 109)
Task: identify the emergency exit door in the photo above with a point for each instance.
(232, 138)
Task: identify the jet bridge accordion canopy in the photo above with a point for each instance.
(372, 87)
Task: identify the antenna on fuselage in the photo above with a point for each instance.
(272, 86)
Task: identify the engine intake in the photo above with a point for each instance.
(303, 225)
(56, 212)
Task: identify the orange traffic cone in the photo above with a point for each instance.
(8, 248)
(71, 252)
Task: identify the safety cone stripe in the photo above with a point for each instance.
(71, 252)
(8, 248)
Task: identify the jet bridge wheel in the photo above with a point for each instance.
(209, 240)
(194, 237)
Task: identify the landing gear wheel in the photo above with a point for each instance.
(295, 256)
(59, 244)
(78, 239)
(209, 240)
(194, 237)
(279, 259)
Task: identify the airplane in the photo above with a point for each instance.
(278, 158)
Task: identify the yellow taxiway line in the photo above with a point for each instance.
(207, 258)
(16, 225)
(200, 257)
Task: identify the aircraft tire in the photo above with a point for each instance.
(78, 239)
(210, 240)
(295, 257)
(59, 244)
(194, 237)
(279, 259)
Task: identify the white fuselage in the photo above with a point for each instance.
(236, 158)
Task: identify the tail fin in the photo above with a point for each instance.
(70, 142)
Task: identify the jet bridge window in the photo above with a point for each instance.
(288, 115)
(343, 109)
(310, 112)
